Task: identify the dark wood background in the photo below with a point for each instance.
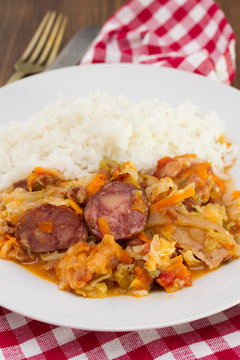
(20, 18)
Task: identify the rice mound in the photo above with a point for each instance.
(75, 135)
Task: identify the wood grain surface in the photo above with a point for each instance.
(20, 18)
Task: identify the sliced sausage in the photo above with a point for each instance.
(123, 205)
(49, 228)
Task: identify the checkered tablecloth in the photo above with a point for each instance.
(212, 338)
(192, 35)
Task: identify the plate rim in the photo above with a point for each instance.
(124, 65)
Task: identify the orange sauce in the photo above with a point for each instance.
(38, 270)
(199, 272)
(49, 275)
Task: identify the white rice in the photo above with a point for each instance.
(75, 135)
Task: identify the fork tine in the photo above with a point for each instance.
(43, 38)
(44, 46)
(35, 38)
(58, 41)
(51, 40)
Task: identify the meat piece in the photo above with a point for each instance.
(124, 207)
(197, 240)
(140, 263)
(171, 213)
(49, 228)
(171, 167)
(39, 183)
(190, 204)
(208, 240)
(203, 186)
(43, 180)
(77, 194)
(21, 184)
(215, 201)
(185, 170)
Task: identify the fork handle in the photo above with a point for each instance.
(16, 76)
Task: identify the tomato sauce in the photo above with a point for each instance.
(49, 275)
(38, 270)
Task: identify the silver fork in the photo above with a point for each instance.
(43, 47)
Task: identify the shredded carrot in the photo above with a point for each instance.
(31, 180)
(236, 195)
(3, 240)
(46, 226)
(51, 172)
(220, 183)
(142, 280)
(14, 218)
(104, 226)
(75, 207)
(124, 257)
(173, 199)
(176, 265)
(41, 171)
(200, 169)
(14, 241)
(97, 182)
(143, 236)
(2, 243)
(11, 242)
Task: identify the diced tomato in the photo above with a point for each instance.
(175, 270)
(166, 278)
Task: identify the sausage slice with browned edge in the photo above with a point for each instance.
(49, 228)
(123, 205)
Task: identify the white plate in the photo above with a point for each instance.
(27, 294)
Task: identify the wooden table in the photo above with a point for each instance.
(20, 18)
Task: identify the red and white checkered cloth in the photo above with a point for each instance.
(212, 338)
(192, 35)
